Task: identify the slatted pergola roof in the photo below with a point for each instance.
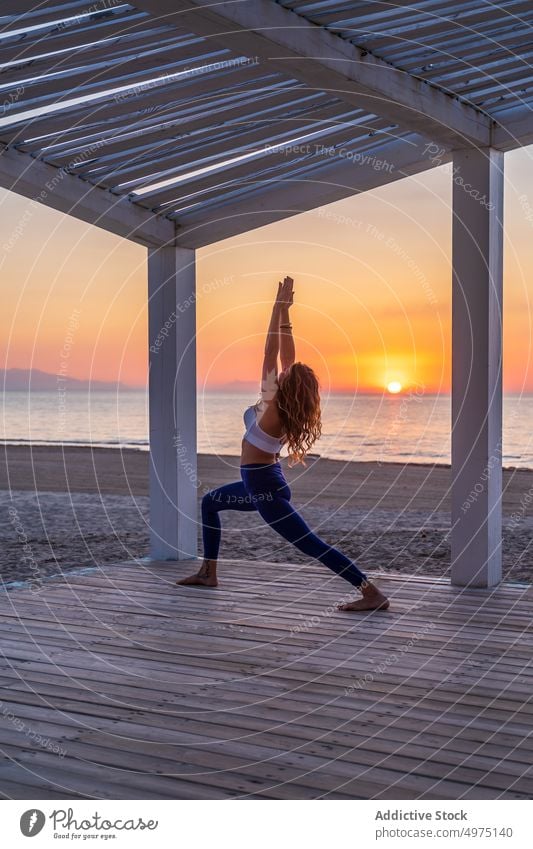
(206, 120)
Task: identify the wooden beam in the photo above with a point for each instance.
(289, 43)
(279, 198)
(172, 388)
(56, 188)
(477, 368)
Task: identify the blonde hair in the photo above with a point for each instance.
(298, 401)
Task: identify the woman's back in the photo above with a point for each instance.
(263, 437)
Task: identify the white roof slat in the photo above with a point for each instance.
(234, 145)
(323, 60)
(374, 37)
(506, 107)
(426, 19)
(370, 17)
(367, 14)
(140, 134)
(35, 26)
(190, 130)
(76, 38)
(417, 43)
(165, 118)
(203, 174)
(495, 27)
(202, 88)
(418, 49)
(447, 23)
(178, 59)
(223, 181)
(470, 75)
(519, 92)
(476, 85)
(24, 12)
(212, 145)
(434, 60)
(256, 183)
(221, 192)
(93, 58)
(439, 57)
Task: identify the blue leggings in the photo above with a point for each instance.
(264, 489)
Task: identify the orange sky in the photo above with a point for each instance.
(372, 289)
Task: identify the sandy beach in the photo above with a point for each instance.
(74, 508)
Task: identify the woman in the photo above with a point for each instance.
(288, 413)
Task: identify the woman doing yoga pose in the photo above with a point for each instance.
(288, 414)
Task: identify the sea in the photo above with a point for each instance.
(405, 428)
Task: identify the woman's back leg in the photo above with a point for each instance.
(286, 521)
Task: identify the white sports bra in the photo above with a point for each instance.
(256, 436)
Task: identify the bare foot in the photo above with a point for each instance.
(373, 599)
(205, 577)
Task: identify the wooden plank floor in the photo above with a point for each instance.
(117, 684)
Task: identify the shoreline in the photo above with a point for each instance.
(144, 449)
(124, 471)
(74, 507)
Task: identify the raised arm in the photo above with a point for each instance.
(286, 340)
(270, 359)
(269, 374)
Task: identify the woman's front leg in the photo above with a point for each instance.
(232, 496)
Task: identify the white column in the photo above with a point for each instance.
(477, 367)
(172, 403)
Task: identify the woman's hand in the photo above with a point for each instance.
(285, 295)
(280, 316)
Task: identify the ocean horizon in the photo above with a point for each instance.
(406, 428)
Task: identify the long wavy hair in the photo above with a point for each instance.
(298, 401)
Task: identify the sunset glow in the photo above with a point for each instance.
(372, 305)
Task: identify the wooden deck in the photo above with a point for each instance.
(116, 684)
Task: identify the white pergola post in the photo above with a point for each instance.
(477, 367)
(172, 390)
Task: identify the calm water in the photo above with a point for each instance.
(394, 428)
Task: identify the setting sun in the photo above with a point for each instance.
(394, 387)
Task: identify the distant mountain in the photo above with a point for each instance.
(236, 386)
(22, 380)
